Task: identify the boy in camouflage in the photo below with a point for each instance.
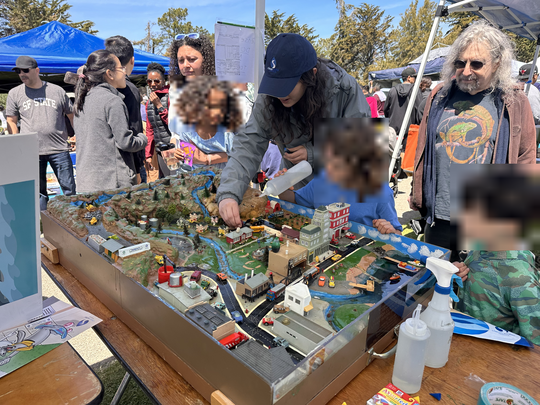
(503, 288)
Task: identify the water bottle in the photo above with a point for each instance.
(411, 353)
(297, 173)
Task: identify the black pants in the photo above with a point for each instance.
(445, 235)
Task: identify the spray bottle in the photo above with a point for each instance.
(279, 184)
(411, 353)
(437, 316)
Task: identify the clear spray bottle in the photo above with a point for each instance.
(411, 352)
(295, 174)
(437, 315)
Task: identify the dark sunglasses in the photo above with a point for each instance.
(475, 64)
(19, 70)
(192, 35)
(150, 81)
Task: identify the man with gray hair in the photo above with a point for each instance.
(478, 115)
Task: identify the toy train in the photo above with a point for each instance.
(311, 274)
(275, 292)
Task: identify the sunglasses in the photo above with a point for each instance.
(151, 81)
(19, 70)
(193, 35)
(475, 64)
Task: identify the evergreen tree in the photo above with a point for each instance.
(160, 226)
(138, 201)
(156, 196)
(128, 195)
(186, 230)
(174, 22)
(277, 24)
(167, 195)
(213, 188)
(206, 192)
(197, 240)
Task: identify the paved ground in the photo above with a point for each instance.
(92, 349)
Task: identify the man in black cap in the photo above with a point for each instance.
(534, 93)
(296, 90)
(42, 107)
(525, 70)
(398, 101)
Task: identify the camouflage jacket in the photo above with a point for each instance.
(503, 288)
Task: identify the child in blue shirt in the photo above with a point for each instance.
(354, 170)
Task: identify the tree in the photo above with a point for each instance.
(161, 213)
(197, 240)
(207, 220)
(457, 22)
(277, 24)
(361, 35)
(159, 226)
(171, 209)
(186, 212)
(410, 37)
(206, 192)
(167, 195)
(138, 201)
(128, 195)
(152, 42)
(524, 48)
(324, 46)
(156, 196)
(186, 230)
(23, 15)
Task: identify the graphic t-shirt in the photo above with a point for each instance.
(466, 135)
(43, 111)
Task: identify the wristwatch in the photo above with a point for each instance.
(160, 109)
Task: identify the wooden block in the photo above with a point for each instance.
(48, 249)
(218, 398)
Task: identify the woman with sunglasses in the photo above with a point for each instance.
(157, 115)
(105, 144)
(191, 55)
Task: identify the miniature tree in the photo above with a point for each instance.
(128, 195)
(167, 195)
(181, 197)
(167, 182)
(161, 213)
(186, 212)
(148, 230)
(206, 192)
(138, 201)
(213, 188)
(182, 175)
(159, 227)
(266, 255)
(183, 182)
(171, 209)
(156, 196)
(186, 230)
(207, 220)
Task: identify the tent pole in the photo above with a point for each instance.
(259, 43)
(415, 89)
(533, 66)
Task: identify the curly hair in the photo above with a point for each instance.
(156, 67)
(501, 50)
(308, 109)
(194, 99)
(201, 44)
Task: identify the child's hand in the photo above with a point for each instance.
(281, 173)
(296, 155)
(179, 154)
(385, 227)
(463, 270)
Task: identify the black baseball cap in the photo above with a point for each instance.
(288, 57)
(408, 72)
(525, 71)
(25, 62)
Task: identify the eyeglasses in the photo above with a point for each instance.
(121, 69)
(474, 64)
(19, 70)
(193, 35)
(151, 81)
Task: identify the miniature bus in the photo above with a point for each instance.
(231, 341)
(275, 292)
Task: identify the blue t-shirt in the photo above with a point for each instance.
(321, 191)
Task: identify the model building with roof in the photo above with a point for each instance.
(252, 287)
(239, 235)
(339, 218)
(282, 262)
(301, 333)
(212, 320)
(298, 298)
(111, 248)
(96, 242)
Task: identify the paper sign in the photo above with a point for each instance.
(235, 53)
(131, 250)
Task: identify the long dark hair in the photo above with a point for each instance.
(201, 44)
(308, 109)
(194, 99)
(92, 74)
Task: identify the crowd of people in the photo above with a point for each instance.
(308, 109)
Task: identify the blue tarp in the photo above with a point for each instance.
(432, 67)
(59, 48)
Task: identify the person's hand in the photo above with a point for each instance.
(411, 205)
(463, 270)
(179, 154)
(296, 155)
(199, 157)
(149, 163)
(155, 100)
(229, 212)
(385, 227)
(281, 173)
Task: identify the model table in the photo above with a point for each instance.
(490, 361)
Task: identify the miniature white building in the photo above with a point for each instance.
(339, 218)
(311, 237)
(302, 333)
(298, 299)
(321, 218)
(95, 241)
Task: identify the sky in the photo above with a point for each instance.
(129, 17)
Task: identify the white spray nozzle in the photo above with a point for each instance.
(416, 317)
(442, 269)
(415, 325)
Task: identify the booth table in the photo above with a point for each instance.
(469, 357)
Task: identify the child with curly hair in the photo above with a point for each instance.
(210, 114)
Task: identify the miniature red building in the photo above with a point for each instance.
(239, 236)
(339, 218)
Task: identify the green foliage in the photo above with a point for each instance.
(152, 42)
(361, 35)
(206, 192)
(138, 201)
(186, 230)
(277, 24)
(197, 240)
(128, 195)
(167, 195)
(171, 209)
(23, 15)
(186, 212)
(181, 197)
(457, 22)
(207, 220)
(148, 230)
(160, 226)
(156, 196)
(161, 213)
(183, 182)
(524, 48)
(3, 97)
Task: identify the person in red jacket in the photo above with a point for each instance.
(157, 115)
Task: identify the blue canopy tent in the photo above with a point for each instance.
(432, 67)
(521, 17)
(58, 49)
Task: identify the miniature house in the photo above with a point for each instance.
(339, 218)
(252, 287)
(321, 218)
(287, 258)
(298, 299)
(211, 320)
(111, 248)
(290, 234)
(239, 236)
(311, 237)
(96, 242)
(182, 298)
(301, 333)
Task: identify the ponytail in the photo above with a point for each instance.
(82, 87)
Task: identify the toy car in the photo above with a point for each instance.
(211, 292)
(238, 318)
(222, 278)
(159, 260)
(280, 309)
(278, 341)
(349, 235)
(196, 276)
(267, 321)
(205, 284)
(113, 237)
(334, 241)
(331, 282)
(93, 221)
(336, 258)
(322, 281)
(220, 305)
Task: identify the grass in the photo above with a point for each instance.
(111, 376)
(345, 314)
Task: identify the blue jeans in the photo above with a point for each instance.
(63, 169)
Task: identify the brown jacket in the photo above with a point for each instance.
(522, 148)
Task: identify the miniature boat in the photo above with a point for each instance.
(416, 263)
(395, 277)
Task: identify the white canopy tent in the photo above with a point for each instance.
(521, 17)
